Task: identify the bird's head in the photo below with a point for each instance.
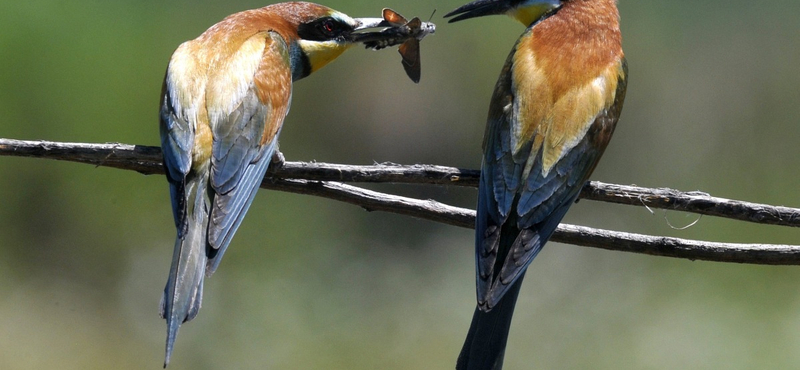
(318, 34)
(525, 11)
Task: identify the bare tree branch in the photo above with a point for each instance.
(766, 254)
(382, 172)
(320, 179)
(142, 159)
(693, 201)
(147, 160)
(376, 201)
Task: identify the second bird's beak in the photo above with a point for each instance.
(480, 8)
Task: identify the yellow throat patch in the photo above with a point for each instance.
(529, 14)
(320, 53)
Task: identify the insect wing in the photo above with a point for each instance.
(393, 17)
(409, 50)
(414, 27)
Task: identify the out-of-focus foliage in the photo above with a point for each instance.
(315, 284)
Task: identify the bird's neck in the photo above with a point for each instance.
(576, 43)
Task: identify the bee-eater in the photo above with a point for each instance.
(223, 102)
(552, 114)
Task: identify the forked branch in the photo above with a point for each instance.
(325, 180)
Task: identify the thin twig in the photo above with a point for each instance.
(382, 172)
(692, 201)
(765, 254)
(319, 179)
(376, 201)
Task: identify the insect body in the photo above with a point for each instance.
(401, 32)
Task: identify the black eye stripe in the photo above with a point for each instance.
(323, 29)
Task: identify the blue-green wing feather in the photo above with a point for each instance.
(237, 142)
(243, 149)
(177, 138)
(238, 164)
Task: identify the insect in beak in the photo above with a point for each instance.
(399, 31)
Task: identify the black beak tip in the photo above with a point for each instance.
(462, 12)
(478, 8)
(458, 18)
(452, 13)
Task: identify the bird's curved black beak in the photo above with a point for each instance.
(360, 33)
(480, 8)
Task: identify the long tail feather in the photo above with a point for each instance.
(183, 294)
(486, 340)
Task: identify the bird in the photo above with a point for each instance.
(223, 102)
(552, 113)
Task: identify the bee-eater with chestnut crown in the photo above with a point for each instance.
(552, 114)
(224, 99)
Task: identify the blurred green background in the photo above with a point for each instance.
(310, 283)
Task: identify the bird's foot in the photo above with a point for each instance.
(278, 160)
(276, 163)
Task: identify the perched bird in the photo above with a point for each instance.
(552, 114)
(224, 99)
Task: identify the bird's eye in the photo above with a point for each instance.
(322, 29)
(328, 26)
